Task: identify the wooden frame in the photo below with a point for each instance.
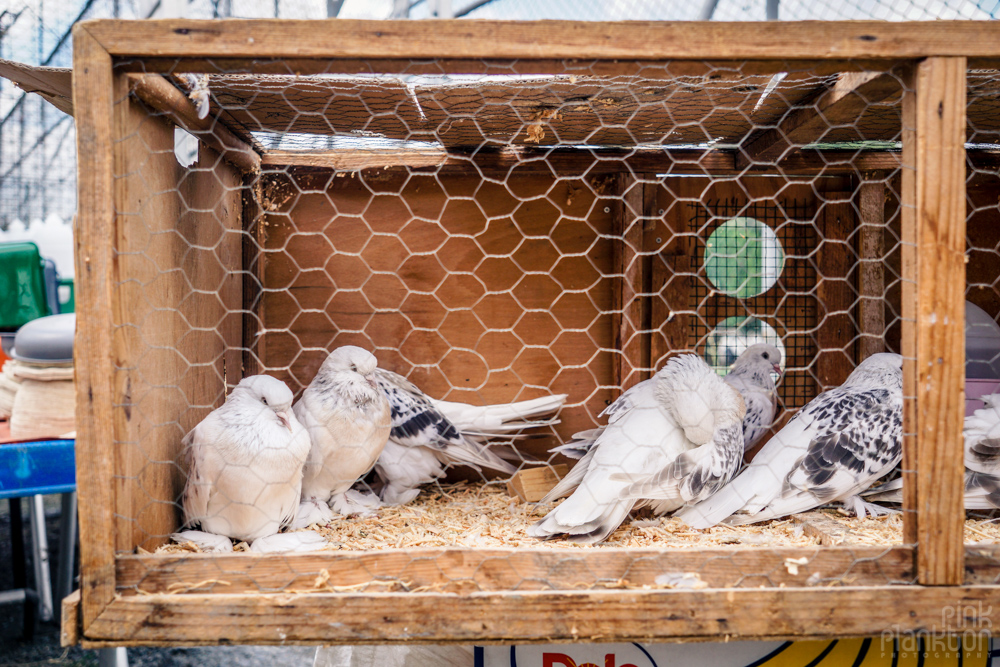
(240, 610)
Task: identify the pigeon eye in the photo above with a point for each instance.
(354, 367)
(263, 400)
(765, 355)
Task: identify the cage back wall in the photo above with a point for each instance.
(502, 212)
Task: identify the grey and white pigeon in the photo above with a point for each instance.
(244, 463)
(751, 375)
(669, 440)
(429, 435)
(348, 420)
(981, 433)
(837, 446)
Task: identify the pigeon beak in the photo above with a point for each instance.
(777, 368)
(285, 419)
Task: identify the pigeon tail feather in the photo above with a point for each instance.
(572, 479)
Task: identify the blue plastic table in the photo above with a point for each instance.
(34, 469)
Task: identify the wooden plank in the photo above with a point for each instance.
(845, 103)
(358, 158)
(530, 485)
(178, 328)
(835, 259)
(69, 634)
(670, 307)
(54, 84)
(574, 162)
(935, 189)
(871, 267)
(557, 110)
(164, 97)
(545, 616)
(642, 40)
(489, 570)
(829, 532)
(95, 224)
(254, 236)
(629, 305)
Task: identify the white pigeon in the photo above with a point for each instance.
(347, 417)
(837, 446)
(676, 434)
(244, 464)
(751, 376)
(428, 436)
(981, 433)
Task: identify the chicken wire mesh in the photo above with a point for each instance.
(498, 232)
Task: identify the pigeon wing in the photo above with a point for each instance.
(415, 420)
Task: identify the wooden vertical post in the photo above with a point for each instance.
(93, 349)
(630, 304)
(933, 297)
(834, 260)
(871, 269)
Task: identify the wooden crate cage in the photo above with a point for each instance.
(534, 222)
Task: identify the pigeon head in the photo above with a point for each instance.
(269, 393)
(351, 370)
(762, 356)
(884, 369)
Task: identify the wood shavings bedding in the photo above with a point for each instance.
(484, 516)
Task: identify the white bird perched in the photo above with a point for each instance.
(838, 445)
(675, 436)
(751, 376)
(244, 465)
(428, 435)
(981, 434)
(347, 417)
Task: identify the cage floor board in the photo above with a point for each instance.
(485, 516)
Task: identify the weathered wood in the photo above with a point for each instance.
(610, 160)
(820, 525)
(94, 369)
(846, 101)
(934, 221)
(641, 40)
(164, 97)
(489, 570)
(670, 307)
(178, 328)
(358, 159)
(545, 616)
(530, 485)
(835, 259)
(54, 84)
(69, 633)
(629, 303)
(871, 267)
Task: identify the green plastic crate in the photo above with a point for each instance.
(22, 285)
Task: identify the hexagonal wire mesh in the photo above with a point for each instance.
(498, 232)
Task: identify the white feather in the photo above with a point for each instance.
(347, 418)
(245, 462)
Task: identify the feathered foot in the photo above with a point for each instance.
(208, 542)
(285, 542)
(355, 502)
(311, 511)
(862, 507)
